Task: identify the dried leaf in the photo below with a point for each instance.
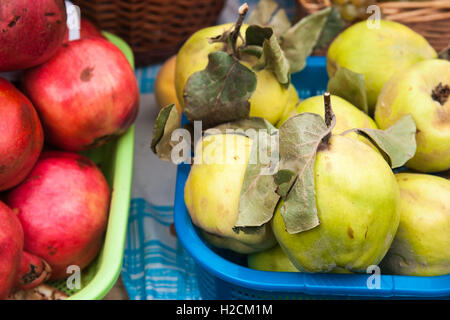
(350, 86)
(333, 26)
(283, 179)
(167, 121)
(300, 137)
(255, 35)
(252, 50)
(263, 12)
(268, 14)
(258, 197)
(221, 92)
(273, 59)
(280, 22)
(299, 41)
(397, 143)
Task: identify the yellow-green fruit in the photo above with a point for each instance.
(357, 198)
(411, 92)
(422, 244)
(273, 259)
(262, 240)
(292, 102)
(347, 115)
(212, 193)
(165, 93)
(377, 53)
(270, 97)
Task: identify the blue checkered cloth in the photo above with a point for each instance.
(155, 265)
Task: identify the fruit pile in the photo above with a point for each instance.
(357, 175)
(72, 96)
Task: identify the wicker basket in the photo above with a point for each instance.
(429, 18)
(155, 29)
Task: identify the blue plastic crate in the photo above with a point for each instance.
(229, 278)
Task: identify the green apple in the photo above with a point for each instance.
(270, 97)
(357, 205)
(212, 193)
(422, 244)
(423, 92)
(377, 53)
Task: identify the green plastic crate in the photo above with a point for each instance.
(116, 162)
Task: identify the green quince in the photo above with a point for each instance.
(212, 194)
(347, 115)
(357, 205)
(273, 259)
(423, 92)
(270, 97)
(422, 244)
(377, 53)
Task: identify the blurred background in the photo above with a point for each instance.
(155, 29)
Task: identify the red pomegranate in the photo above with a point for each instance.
(87, 30)
(30, 31)
(85, 95)
(21, 136)
(11, 244)
(63, 207)
(32, 272)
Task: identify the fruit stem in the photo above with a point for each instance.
(329, 114)
(328, 111)
(237, 28)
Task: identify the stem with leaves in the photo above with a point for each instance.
(234, 35)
